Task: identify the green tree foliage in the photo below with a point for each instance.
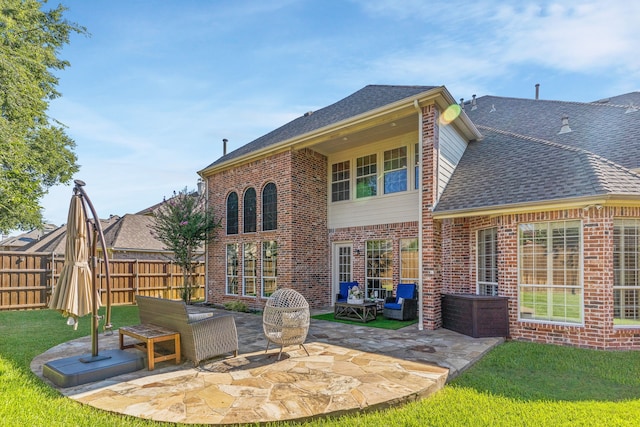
(184, 223)
(35, 152)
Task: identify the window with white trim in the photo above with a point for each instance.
(416, 166)
(340, 181)
(366, 176)
(395, 170)
(409, 267)
(550, 285)
(626, 272)
(269, 267)
(487, 261)
(232, 269)
(379, 268)
(249, 269)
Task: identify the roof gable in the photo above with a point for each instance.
(366, 99)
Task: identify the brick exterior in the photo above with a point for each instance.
(448, 246)
(598, 331)
(302, 224)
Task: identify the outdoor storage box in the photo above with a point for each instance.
(476, 315)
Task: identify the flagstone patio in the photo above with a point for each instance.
(350, 368)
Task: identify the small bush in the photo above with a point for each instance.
(236, 306)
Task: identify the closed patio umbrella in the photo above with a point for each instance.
(72, 294)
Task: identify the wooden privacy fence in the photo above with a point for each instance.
(27, 279)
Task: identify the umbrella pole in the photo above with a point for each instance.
(95, 319)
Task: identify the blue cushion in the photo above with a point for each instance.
(344, 290)
(393, 306)
(406, 290)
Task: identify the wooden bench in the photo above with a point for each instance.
(148, 335)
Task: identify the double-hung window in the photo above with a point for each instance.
(269, 267)
(550, 272)
(366, 176)
(395, 170)
(487, 262)
(340, 181)
(232, 269)
(249, 269)
(626, 272)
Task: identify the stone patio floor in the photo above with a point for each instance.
(349, 368)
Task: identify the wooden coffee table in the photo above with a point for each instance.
(357, 312)
(148, 335)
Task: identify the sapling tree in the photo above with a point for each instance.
(184, 224)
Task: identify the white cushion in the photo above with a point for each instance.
(400, 300)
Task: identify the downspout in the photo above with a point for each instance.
(205, 191)
(420, 170)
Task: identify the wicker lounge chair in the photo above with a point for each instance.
(285, 319)
(202, 335)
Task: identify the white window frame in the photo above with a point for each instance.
(249, 275)
(406, 247)
(483, 286)
(340, 178)
(396, 163)
(625, 270)
(269, 273)
(231, 276)
(543, 295)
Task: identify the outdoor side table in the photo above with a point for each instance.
(357, 312)
(148, 335)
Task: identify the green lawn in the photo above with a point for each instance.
(516, 384)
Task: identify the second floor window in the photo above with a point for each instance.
(366, 176)
(340, 181)
(395, 170)
(249, 209)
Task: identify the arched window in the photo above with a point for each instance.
(249, 209)
(269, 207)
(232, 213)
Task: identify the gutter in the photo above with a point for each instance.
(528, 207)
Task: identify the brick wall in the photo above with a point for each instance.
(431, 230)
(597, 241)
(302, 241)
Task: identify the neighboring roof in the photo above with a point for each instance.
(523, 158)
(28, 237)
(132, 233)
(55, 241)
(366, 99)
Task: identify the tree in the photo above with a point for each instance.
(184, 223)
(35, 151)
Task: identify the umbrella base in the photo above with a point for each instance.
(77, 370)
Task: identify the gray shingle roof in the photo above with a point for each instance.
(523, 159)
(366, 99)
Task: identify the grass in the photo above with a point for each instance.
(380, 322)
(516, 384)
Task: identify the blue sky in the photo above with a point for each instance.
(150, 95)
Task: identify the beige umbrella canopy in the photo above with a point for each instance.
(72, 294)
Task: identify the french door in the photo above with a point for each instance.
(342, 265)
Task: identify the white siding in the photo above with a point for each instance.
(380, 209)
(451, 148)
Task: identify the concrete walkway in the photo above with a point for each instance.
(350, 368)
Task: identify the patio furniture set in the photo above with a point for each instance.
(168, 331)
(402, 306)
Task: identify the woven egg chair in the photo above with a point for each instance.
(285, 319)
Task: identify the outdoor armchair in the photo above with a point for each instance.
(404, 306)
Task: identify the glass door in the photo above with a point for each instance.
(342, 265)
